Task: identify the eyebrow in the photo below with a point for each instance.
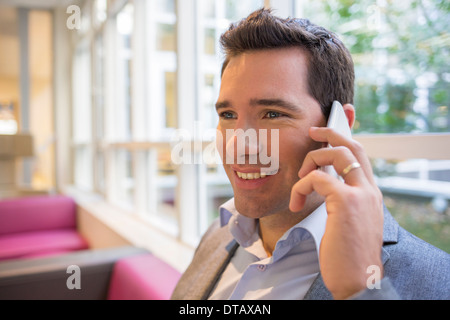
(275, 103)
(263, 102)
(222, 104)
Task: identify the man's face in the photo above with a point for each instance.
(267, 90)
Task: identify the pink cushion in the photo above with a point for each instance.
(37, 213)
(40, 243)
(142, 277)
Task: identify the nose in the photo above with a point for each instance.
(243, 145)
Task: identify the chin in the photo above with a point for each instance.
(258, 209)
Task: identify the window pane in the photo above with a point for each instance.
(166, 6)
(166, 40)
(161, 182)
(98, 88)
(208, 8)
(82, 125)
(124, 25)
(209, 95)
(100, 171)
(82, 118)
(401, 53)
(210, 41)
(218, 190)
(83, 167)
(162, 108)
(236, 10)
(125, 183)
(171, 102)
(416, 192)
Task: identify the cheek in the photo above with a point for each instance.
(294, 150)
(221, 142)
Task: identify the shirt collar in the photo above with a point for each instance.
(313, 223)
(226, 211)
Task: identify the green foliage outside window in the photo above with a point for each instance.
(401, 52)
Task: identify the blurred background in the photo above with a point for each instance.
(94, 92)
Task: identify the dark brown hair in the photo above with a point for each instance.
(330, 66)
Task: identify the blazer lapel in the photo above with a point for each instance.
(210, 260)
(215, 267)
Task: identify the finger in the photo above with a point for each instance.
(329, 135)
(340, 158)
(318, 181)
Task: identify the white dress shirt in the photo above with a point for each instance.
(287, 274)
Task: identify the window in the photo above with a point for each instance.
(124, 178)
(399, 50)
(123, 76)
(99, 112)
(82, 117)
(161, 182)
(156, 72)
(402, 87)
(161, 59)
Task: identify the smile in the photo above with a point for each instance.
(254, 175)
(251, 175)
(256, 178)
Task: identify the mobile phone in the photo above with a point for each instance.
(338, 121)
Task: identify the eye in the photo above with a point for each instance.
(273, 114)
(227, 115)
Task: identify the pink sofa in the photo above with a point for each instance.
(119, 273)
(142, 277)
(38, 226)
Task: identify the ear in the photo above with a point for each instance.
(350, 114)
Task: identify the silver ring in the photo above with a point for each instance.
(350, 167)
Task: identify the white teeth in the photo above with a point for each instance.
(250, 175)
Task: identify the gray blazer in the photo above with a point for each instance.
(413, 269)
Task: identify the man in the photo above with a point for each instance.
(298, 232)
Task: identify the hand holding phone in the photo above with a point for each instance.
(354, 206)
(338, 121)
